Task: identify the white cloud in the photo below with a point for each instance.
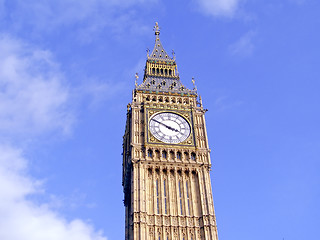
(20, 217)
(225, 8)
(34, 99)
(33, 95)
(244, 46)
(86, 18)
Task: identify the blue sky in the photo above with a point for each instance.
(66, 75)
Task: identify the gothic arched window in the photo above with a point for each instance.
(157, 154)
(186, 155)
(188, 197)
(179, 155)
(180, 197)
(172, 155)
(165, 195)
(157, 192)
(164, 154)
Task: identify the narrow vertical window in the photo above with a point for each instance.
(165, 196)
(188, 197)
(180, 198)
(164, 154)
(179, 155)
(157, 189)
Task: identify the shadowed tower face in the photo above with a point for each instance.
(166, 157)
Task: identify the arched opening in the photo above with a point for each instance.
(164, 154)
(172, 155)
(157, 154)
(179, 155)
(193, 156)
(149, 153)
(186, 155)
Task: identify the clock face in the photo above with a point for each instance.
(169, 127)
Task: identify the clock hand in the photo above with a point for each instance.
(171, 128)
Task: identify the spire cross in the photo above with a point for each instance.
(156, 29)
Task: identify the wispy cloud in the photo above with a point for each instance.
(244, 46)
(33, 95)
(22, 218)
(219, 8)
(85, 18)
(35, 99)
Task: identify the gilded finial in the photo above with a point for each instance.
(194, 84)
(136, 81)
(156, 29)
(148, 50)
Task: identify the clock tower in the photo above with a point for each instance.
(166, 157)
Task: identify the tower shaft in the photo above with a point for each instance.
(166, 177)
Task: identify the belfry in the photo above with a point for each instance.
(166, 157)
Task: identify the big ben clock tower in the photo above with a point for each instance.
(166, 157)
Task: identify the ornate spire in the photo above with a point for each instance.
(158, 52)
(161, 74)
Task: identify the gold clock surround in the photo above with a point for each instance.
(187, 115)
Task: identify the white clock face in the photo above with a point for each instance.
(169, 127)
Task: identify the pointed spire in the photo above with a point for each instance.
(158, 52)
(160, 73)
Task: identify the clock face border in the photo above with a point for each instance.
(187, 115)
(160, 126)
